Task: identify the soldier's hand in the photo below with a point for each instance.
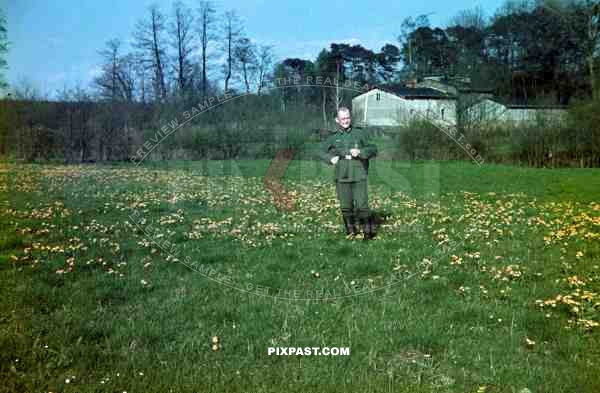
(354, 152)
(334, 160)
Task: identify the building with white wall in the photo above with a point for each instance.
(395, 106)
(490, 110)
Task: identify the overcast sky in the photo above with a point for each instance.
(55, 43)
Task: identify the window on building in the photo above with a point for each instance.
(377, 97)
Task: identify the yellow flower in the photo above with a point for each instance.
(575, 310)
(575, 281)
(530, 343)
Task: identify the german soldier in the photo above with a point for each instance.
(349, 150)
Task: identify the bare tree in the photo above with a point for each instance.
(26, 90)
(182, 37)
(245, 59)
(206, 21)
(593, 42)
(117, 79)
(232, 31)
(264, 60)
(3, 49)
(127, 76)
(107, 81)
(148, 39)
(474, 17)
(141, 74)
(4, 122)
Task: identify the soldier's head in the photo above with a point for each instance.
(343, 118)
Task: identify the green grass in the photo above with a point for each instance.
(86, 293)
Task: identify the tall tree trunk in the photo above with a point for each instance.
(338, 99)
(229, 38)
(593, 37)
(203, 71)
(593, 82)
(159, 68)
(324, 106)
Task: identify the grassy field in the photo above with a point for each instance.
(116, 278)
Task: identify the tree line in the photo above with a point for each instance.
(541, 52)
(528, 52)
(172, 56)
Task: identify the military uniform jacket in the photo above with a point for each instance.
(339, 144)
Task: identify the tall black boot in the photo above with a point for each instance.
(373, 223)
(369, 226)
(351, 230)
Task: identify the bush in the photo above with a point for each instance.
(424, 140)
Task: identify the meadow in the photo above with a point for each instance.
(117, 278)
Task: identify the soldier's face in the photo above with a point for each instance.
(343, 119)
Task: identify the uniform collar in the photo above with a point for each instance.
(341, 130)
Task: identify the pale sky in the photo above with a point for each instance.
(55, 43)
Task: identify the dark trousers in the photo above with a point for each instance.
(353, 198)
(354, 203)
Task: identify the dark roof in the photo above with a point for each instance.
(514, 105)
(518, 106)
(482, 90)
(414, 92)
